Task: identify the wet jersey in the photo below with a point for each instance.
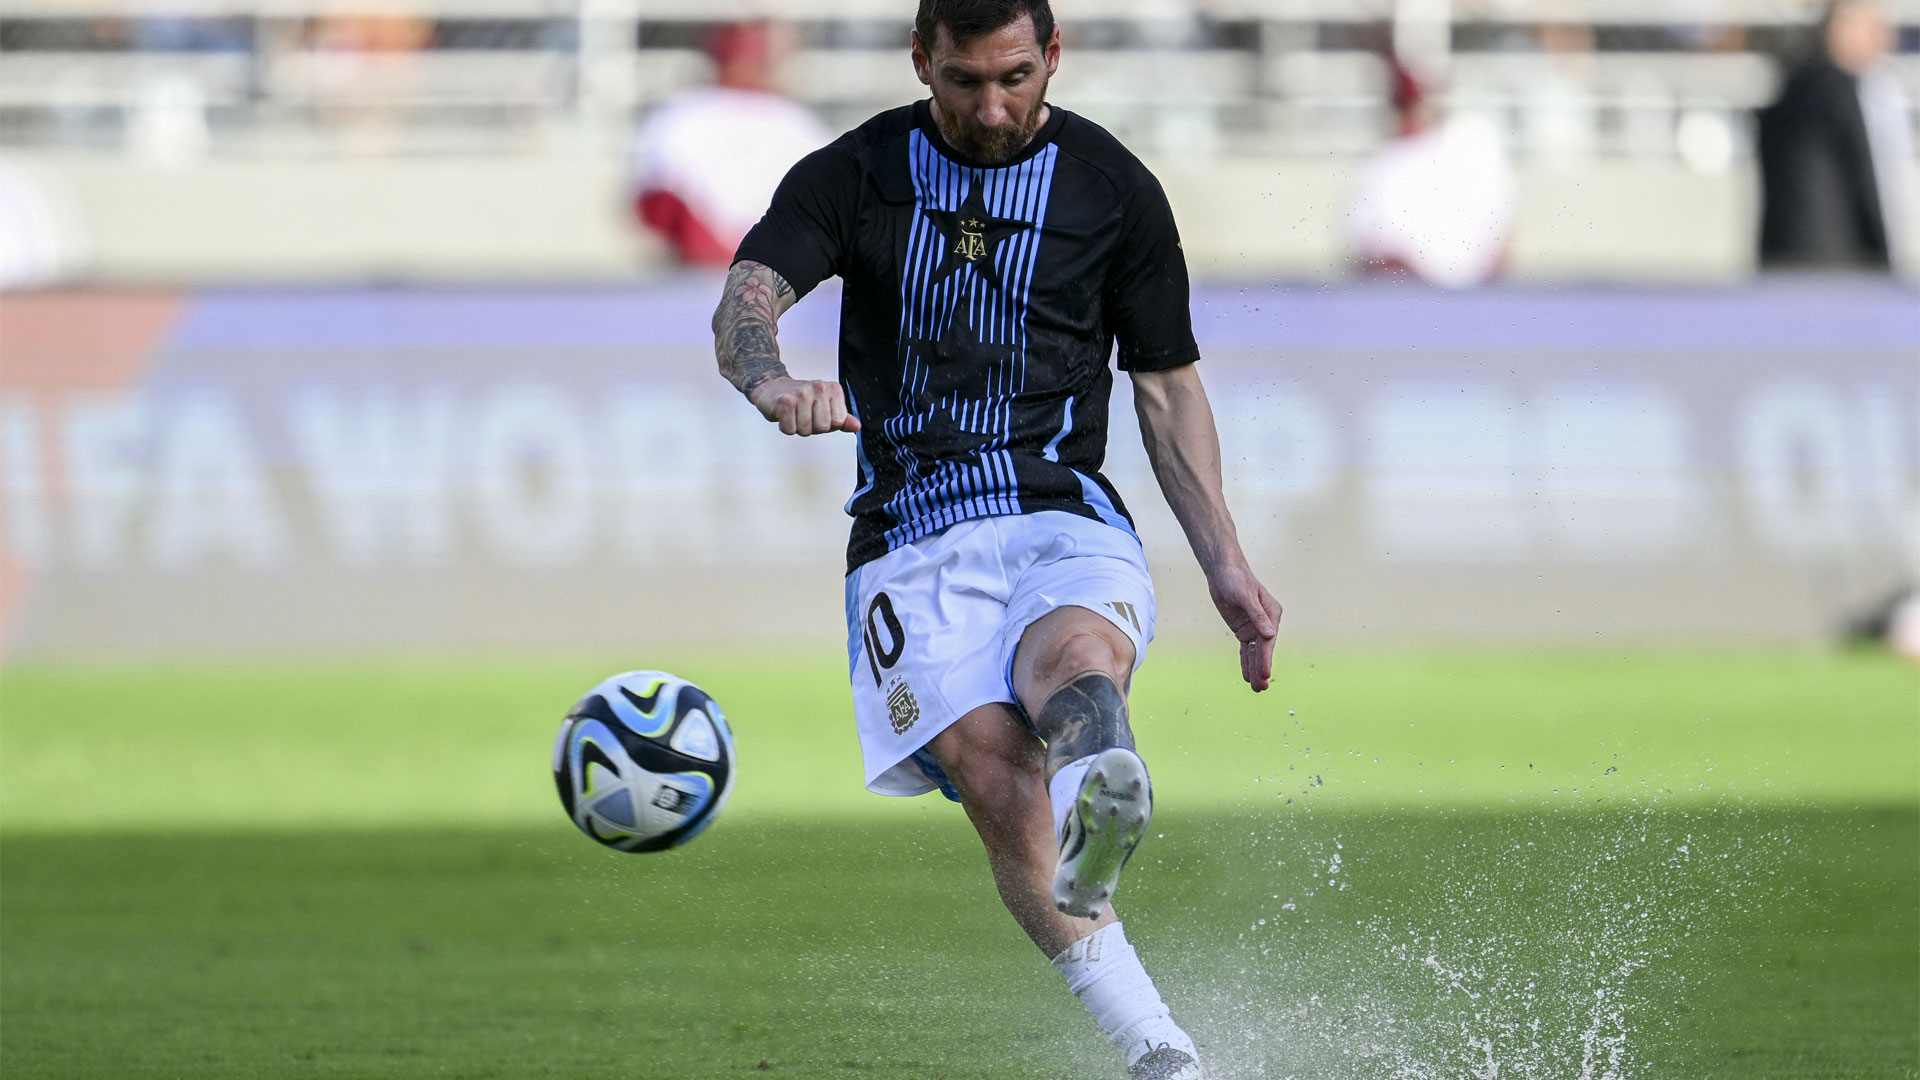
(979, 311)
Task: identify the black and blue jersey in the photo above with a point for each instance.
(981, 306)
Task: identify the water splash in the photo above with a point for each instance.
(1519, 950)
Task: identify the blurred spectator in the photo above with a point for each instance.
(358, 69)
(1435, 203)
(189, 33)
(1836, 156)
(1561, 116)
(706, 163)
(370, 33)
(1706, 26)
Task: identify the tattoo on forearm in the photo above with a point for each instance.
(755, 355)
(1083, 717)
(744, 326)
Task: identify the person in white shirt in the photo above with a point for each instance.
(1437, 202)
(705, 163)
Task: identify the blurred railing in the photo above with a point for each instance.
(1626, 78)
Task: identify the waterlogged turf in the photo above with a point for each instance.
(1378, 944)
(1397, 868)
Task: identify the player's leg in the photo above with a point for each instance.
(994, 761)
(996, 764)
(1070, 673)
(1057, 653)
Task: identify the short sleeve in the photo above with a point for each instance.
(1147, 289)
(806, 232)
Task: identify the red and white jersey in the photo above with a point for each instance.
(1439, 205)
(719, 153)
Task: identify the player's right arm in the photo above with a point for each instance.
(745, 341)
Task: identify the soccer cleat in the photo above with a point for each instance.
(1104, 825)
(1165, 1063)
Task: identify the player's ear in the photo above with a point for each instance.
(1052, 52)
(922, 63)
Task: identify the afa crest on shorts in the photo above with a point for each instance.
(902, 708)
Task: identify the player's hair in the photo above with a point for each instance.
(969, 19)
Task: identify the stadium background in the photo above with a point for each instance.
(350, 428)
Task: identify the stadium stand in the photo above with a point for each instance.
(1665, 88)
(1254, 67)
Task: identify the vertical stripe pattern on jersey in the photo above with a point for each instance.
(963, 471)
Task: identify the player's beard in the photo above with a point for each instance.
(992, 145)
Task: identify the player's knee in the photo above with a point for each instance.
(1076, 654)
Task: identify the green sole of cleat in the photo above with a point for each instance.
(1111, 818)
(1109, 843)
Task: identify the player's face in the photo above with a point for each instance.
(989, 94)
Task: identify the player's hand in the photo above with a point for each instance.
(1253, 615)
(804, 406)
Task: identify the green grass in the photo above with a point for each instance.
(466, 742)
(1392, 867)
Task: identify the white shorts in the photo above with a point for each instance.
(932, 626)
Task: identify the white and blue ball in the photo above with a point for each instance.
(644, 761)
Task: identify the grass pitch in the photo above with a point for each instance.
(1390, 867)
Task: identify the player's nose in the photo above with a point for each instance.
(994, 110)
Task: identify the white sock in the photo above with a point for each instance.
(1065, 787)
(1104, 972)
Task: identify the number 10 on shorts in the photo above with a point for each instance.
(889, 624)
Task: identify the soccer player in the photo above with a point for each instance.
(993, 249)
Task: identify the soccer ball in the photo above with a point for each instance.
(644, 762)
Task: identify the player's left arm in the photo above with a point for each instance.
(1176, 424)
